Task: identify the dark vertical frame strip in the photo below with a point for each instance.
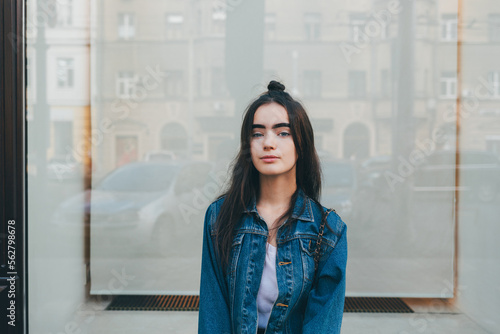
(13, 279)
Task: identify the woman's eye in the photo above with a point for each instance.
(284, 134)
(256, 134)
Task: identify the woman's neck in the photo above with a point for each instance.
(276, 191)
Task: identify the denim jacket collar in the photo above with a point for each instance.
(302, 209)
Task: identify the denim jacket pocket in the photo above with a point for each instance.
(308, 250)
(307, 247)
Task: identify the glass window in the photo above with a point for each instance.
(357, 84)
(449, 27)
(357, 21)
(125, 84)
(174, 83)
(494, 81)
(448, 87)
(494, 27)
(218, 80)
(65, 72)
(312, 83)
(218, 13)
(134, 116)
(270, 25)
(312, 23)
(174, 25)
(385, 83)
(126, 26)
(64, 13)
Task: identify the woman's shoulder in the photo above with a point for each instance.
(335, 223)
(217, 203)
(213, 211)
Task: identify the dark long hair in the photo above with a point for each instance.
(244, 182)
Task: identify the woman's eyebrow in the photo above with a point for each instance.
(278, 125)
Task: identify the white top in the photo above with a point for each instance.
(268, 290)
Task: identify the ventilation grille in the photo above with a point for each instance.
(154, 303)
(191, 303)
(375, 305)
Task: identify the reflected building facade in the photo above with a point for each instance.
(160, 77)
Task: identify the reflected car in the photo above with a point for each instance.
(479, 174)
(160, 156)
(371, 173)
(339, 186)
(154, 205)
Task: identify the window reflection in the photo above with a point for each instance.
(168, 83)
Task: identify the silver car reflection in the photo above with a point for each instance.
(152, 206)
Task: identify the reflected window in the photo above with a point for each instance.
(174, 138)
(312, 83)
(174, 84)
(312, 23)
(65, 72)
(270, 22)
(218, 13)
(449, 27)
(356, 142)
(494, 27)
(357, 21)
(494, 81)
(218, 82)
(357, 84)
(125, 84)
(385, 83)
(174, 26)
(422, 27)
(126, 25)
(64, 10)
(448, 85)
(218, 19)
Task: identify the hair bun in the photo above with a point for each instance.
(275, 85)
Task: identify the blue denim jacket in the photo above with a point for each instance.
(228, 300)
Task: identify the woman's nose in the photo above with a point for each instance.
(269, 142)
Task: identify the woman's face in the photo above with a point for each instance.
(271, 146)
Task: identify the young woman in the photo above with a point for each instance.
(273, 258)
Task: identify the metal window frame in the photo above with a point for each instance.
(13, 163)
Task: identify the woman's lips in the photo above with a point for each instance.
(269, 158)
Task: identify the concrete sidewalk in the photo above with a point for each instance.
(431, 316)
